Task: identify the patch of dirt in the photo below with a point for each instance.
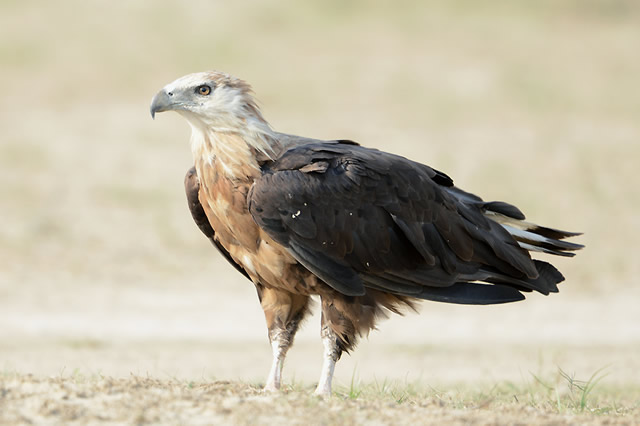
(26, 399)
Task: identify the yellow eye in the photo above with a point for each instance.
(203, 90)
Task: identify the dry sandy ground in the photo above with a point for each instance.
(143, 400)
(206, 365)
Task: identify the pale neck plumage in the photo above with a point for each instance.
(237, 146)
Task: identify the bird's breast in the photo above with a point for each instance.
(225, 203)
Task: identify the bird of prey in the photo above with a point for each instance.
(367, 231)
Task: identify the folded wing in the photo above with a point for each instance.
(360, 218)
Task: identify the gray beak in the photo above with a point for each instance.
(162, 101)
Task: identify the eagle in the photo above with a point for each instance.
(366, 231)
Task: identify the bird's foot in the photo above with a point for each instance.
(271, 388)
(323, 391)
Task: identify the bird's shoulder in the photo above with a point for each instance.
(347, 156)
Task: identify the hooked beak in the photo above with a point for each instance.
(162, 101)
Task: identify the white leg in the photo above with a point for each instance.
(283, 312)
(281, 340)
(331, 355)
(275, 375)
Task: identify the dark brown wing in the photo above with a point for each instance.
(192, 189)
(359, 218)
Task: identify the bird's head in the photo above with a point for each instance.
(212, 99)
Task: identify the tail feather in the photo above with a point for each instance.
(471, 294)
(546, 282)
(485, 286)
(530, 240)
(551, 232)
(533, 237)
(545, 250)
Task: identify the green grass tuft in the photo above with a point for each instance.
(580, 390)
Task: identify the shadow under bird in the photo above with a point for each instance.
(367, 231)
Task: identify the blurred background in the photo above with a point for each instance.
(103, 272)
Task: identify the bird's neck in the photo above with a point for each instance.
(237, 151)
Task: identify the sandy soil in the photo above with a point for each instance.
(203, 332)
(143, 400)
(205, 364)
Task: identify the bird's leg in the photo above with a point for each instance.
(330, 356)
(275, 374)
(338, 334)
(283, 312)
(281, 338)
